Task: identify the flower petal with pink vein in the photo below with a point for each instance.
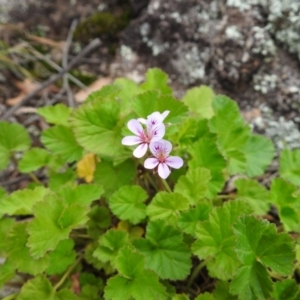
(140, 150)
(175, 162)
(135, 127)
(163, 170)
(131, 140)
(151, 163)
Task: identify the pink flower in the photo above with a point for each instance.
(154, 132)
(160, 150)
(155, 118)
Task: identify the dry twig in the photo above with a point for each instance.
(90, 47)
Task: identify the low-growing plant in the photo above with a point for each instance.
(131, 199)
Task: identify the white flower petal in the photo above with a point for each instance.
(135, 127)
(163, 170)
(155, 147)
(157, 132)
(165, 114)
(151, 163)
(175, 162)
(140, 150)
(142, 120)
(131, 140)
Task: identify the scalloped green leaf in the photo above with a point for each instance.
(41, 288)
(259, 247)
(256, 195)
(156, 79)
(290, 165)
(33, 159)
(13, 137)
(97, 129)
(206, 154)
(164, 251)
(284, 195)
(113, 177)
(57, 114)
(5, 225)
(194, 184)
(22, 201)
(19, 254)
(105, 94)
(4, 157)
(259, 152)
(109, 245)
(83, 194)
(287, 289)
(53, 222)
(148, 102)
(127, 203)
(188, 220)
(167, 206)
(215, 239)
(133, 281)
(60, 140)
(199, 101)
(61, 258)
(7, 272)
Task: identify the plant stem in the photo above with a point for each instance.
(150, 179)
(34, 178)
(196, 272)
(68, 272)
(166, 185)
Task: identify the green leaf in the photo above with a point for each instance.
(13, 137)
(253, 193)
(4, 157)
(205, 154)
(164, 251)
(41, 288)
(96, 128)
(110, 244)
(188, 220)
(133, 282)
(148, 102)
(205, 296)
(57, 114)
(259, 247)
(18, 252)
(113, 177)
(83, 194)
(252, 282)
(33, 159)
(127, 203)
(58, 179)
(221, 291)
(167, 206)
(194, 184)
(290, 165)
(259, 152)
(287, 289)
(128, 90)
(22, 201)
(156, 79)
(199, 101)
(99, 219)
(61, 258)
(7, 272)
(106, 94)
(284, 196)
(53, 222)
(60, 140)
(5, 225)
(216, 241)
(232, 132)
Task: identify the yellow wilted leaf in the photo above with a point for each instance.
(86, 167)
